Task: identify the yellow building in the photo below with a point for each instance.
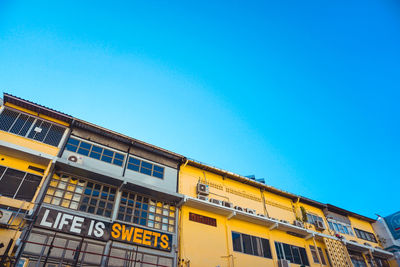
(75, 194)
(30, 138)
(229, 220)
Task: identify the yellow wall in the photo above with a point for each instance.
(204, 245)
(28, 143)
(362, 225)
(14, 230)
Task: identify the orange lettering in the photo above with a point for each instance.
(127, 234)
(116, 228)
(137, 236)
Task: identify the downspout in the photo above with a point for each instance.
(229, 255)
(264, 204)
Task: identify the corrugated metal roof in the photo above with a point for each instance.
(8, 98)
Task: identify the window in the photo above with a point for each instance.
(365, 235)
(314, 254)
(148, 212)
(357, 259)
(144, 167)
(321, 255)
(79, 194)
(251, 245)
(95, 152)
(311, 218)
(340, 227)
(31, 127)
(291, 253)
(18, 184)
(381, 262)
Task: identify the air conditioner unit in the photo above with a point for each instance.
(319, 225)
(261, 215)
(5, 216)
(284, 221)
(75, 158)
(238, 208)
(283, 263)
(202, 197)
(203, 189)
(227, 204)
(215, 201)
(298, 223)
(251, 211)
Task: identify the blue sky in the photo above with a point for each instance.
(304, 94)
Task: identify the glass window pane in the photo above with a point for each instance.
(147, 165)
(288, 252)
(158, 175)
(321, 255)
(95, 155)
(85, 145)
(145, 171)
(83, 151)
(236, 242)
(73, 141)
(133, 167)
(97, 149)
(119, 156)
(158, 168)
(108, 153)
(304, 258)
(106, 159)
(266, 248)
(117, 162)
(246, 242)
(134, 161)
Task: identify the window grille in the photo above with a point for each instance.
(80, 194)
(31, 127)
(146, 211)
(18, 184)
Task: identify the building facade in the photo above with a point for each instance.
(388, 230)
(75, 194)
(239, 221)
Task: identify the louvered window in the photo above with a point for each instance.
(31, 127)
(18, 184)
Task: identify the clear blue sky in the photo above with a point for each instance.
(302, 93)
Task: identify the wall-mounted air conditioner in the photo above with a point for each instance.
(238, 208)
(203, 189)
(251, 211)
(227, 204)
(202, 197)
(283, 263)
(298, 223)
(75, 158)
(216, 201)
(319, 225)
(5, 216)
